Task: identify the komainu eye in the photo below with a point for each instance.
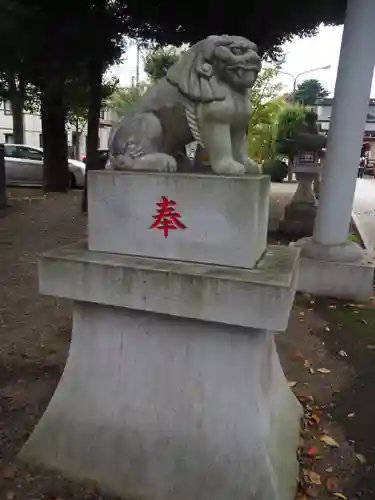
(238, 51)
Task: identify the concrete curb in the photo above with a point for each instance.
(359, 227)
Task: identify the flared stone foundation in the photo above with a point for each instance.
(157, 407)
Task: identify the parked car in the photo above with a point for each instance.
(369, 168)
(103, 157)
(24, 166)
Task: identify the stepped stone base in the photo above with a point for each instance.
(192, 404)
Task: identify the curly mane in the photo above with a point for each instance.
(193, 73)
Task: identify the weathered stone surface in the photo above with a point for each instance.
(161, 408)
(346, 271)
(225, 217)
(298, 220)
(300, 214)
(204, 97)
(259, 298)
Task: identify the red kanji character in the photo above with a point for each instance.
(166, 218)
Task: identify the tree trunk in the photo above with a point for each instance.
(53, 111)
(290, 167)
(3, 190)
(77, 146)
(95, 71)
(17, 101)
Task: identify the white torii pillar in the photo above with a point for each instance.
(350, 106)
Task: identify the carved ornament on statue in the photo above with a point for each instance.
(204, 97)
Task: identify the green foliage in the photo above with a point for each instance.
(296, 130)
(77, 97)
(124, 98)
(171, 25)
(310, 91)
(262, 134)
(48, 43)
(10, 82)
(158, 61)
(276, 169)
(291, 120)
(267, 102)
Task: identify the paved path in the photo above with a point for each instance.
(364, 212)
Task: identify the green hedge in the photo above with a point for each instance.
(276, 169)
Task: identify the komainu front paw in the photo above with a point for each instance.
(251, 166)
(228, 166)
(157, 162)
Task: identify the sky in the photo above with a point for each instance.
(301, 55)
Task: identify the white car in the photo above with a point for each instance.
(24, 166)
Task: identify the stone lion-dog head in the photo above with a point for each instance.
(202, 72)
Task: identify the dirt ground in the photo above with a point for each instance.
(328, 355)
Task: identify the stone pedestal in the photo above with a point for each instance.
(225, 217)
(344, 271)
(173, 387)
(300, 214)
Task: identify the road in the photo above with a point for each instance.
(364, 212)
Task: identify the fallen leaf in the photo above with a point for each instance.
(339, 495)
(323, 370)
(332, 484)
(343, 354)
(10, 495)
(8, 473)
(371, 347)
(307, 363)
(364, 321)
(327, 329)
(92, 486)
(292, 384)
(361, 458)
(311, 492)
(329, 441)
(314, 477)
(315, 418)
(329, 469)
(351, 415)
(313, 451)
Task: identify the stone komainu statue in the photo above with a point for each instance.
(204, 97)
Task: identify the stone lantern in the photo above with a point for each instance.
(306, 148)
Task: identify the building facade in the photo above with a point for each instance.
(33, 130)
(324, 110)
